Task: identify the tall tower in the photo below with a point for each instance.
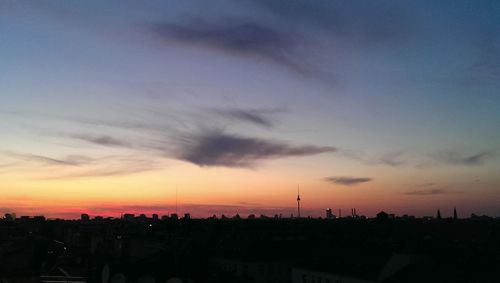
(298, 202)
(455, 216)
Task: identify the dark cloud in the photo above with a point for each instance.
(348, 181)
(239, 38)
(214, 148)
(102, 140)
(254, 116)
(456, 158)
(425, 192)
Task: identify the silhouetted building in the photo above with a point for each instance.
(85, 217)
(39, 218)
(438, 214)
(128, 216)
(455, 216)
(329, 214)
(10, 216)
(480, 217)
(382, 215)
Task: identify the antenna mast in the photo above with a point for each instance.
(298, 202)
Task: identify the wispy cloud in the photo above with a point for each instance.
(79, 166)
(239, 37)
(348, 181)
(457, 158)
(70, 160)
(102, 140)
(118, 167)
(425, 185)
(201, 147)
(394, 159)
(426, 192)
(215, 148)
(258, 117)
(6, 165)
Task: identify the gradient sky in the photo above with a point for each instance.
(115, 106)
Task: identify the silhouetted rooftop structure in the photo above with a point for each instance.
(382, 215)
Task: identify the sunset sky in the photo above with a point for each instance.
(108, 107)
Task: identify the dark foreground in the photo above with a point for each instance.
(250, 250)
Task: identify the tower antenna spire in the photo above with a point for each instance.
(298, 201)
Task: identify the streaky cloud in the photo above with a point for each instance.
(127, 169)
(104, 167)
(103, 140)
(258, 117)
(348, 181)
(457, 158)
(392, 159)
(425, 185)
(425, 192)
(79, 166)
(239, 37)
(215, 148)
(70, 160)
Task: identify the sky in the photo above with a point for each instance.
(225, 107)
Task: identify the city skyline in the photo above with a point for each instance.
(223, 107)
(229, 212)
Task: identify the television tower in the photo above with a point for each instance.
(298, 202)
